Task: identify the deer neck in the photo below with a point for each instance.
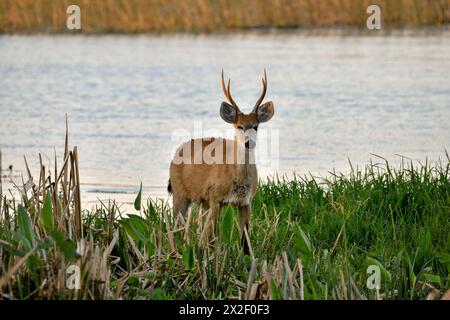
(245, 162)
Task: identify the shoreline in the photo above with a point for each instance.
(331, 30)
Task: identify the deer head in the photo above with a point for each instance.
(246, 125)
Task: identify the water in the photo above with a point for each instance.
(336, 98)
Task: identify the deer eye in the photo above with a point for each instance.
(255, 128)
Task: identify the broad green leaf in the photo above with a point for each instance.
(67, 247)
(18, 236)
(188, 257)
(136, 217)
(139, 224)
(132, 231)
(444, 258)
(384, 271)
(25, 227)
(227, 225)
(46, 217)
(137, 202)
(432, 278)
(302, 242)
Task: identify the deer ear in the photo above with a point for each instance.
(265, 112)
(228, 112)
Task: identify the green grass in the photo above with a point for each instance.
(311, 238)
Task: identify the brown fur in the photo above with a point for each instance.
(213, 185)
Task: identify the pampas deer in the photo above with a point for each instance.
(213, 172)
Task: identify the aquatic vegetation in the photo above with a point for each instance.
(310, 238)
(213, 15)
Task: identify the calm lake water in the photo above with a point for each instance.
(336, 98)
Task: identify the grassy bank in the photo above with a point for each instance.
(310, 238)
(123, 16)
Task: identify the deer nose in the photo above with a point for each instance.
(250, 144)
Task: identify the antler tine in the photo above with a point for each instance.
(263, 94)
(226, 91)
(223, 86)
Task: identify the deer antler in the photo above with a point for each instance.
(263, 94)
(226, 91)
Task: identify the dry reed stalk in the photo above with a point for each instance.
(169, 233)
(64, 170)
(55, 186)
(200, 215)
(253, 291)
(78, 219)
(180, 220)
(337, 239)
(30, 185)
(251, 279)
(302, 285)
(359, 295)
(35, 205)
(136, 251)
(247, 238)
(265, 284)
(206, 226)
(343, 285)
(41, 186)
(290, 277)
(106, 272)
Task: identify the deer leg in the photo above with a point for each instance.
(180, 205)
(205, 205)
(244, 218)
